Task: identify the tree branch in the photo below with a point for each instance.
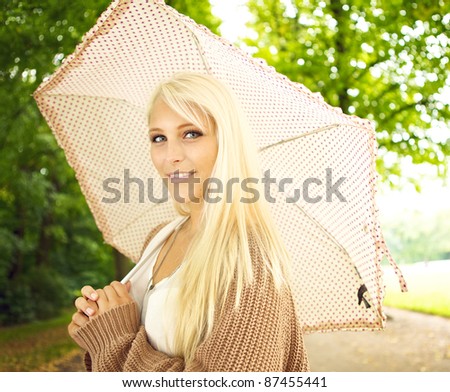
(394, 113)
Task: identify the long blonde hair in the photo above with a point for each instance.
(219, 253)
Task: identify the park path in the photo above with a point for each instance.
(411, 342)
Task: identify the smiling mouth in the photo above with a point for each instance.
(178, 176)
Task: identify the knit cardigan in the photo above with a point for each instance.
(262, 334)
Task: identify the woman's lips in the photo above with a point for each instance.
(179, 176)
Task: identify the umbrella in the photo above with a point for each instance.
(320, 161)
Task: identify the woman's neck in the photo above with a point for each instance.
(192, 225)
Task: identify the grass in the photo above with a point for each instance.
(428, 288)
(30, 347)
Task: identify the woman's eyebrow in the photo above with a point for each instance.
(179, 127)
(186, 125)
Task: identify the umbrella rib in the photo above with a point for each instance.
(324, 230)
(332, 239)
(322, 129)
(200, 49)
(196, 40)
(328, 234)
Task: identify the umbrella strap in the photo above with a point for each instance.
(398, 272)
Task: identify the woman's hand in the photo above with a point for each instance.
(95, 302)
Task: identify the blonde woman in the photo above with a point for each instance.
(212, 290)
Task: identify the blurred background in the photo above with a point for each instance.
(387, 61)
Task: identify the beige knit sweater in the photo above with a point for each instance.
(262, 334)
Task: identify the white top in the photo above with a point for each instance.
(159, 315)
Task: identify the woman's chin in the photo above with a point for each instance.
(185, 194)
(186, 199)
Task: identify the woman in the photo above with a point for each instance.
(214, 296)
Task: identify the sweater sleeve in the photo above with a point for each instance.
(261, 334)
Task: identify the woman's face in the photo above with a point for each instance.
(181, 152)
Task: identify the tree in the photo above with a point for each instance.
(382, 60)
(49, 243)
(200, 11)
(47, 232)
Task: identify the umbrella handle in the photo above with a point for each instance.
(361, 298)
(143, 261)
(139, 265)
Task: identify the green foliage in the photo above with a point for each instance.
(200, 11)
(42, 209)
(383, 60)
(37, 295)
(16, 304)
(49, 243)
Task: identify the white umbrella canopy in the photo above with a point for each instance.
(322, 161)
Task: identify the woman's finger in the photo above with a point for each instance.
(79, 319)
(121, 289)
(88, 307)
(102, 300)
(89, 292)
(112, 295)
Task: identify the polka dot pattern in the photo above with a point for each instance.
(334, 252)
(98, 98)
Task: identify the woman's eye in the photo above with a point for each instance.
(157, 138)
(192, 134)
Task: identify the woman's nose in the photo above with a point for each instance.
(174, 152)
